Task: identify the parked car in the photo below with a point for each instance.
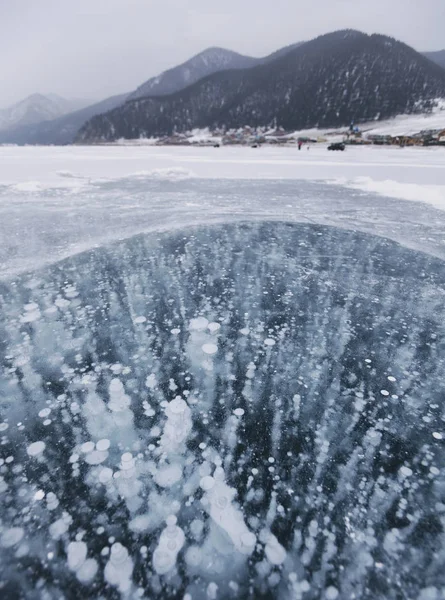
(337, 146)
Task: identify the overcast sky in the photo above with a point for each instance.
(97, 48)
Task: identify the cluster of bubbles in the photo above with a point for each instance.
(243, 411)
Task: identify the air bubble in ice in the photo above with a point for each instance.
(151, 382)
(119, 568)
(87, 571)
(76, 553)
(106, 475)
(170, 543)
(168, 475)
(406, 471)
(198, 324)
(212, 591)
(207, 483)
(210, 349)
(36, 448)
(274, 551)
(331, 593)
(11, 537)
(96, 457)
(103, 445)
(87, 447)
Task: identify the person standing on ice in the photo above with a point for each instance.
(300, 143)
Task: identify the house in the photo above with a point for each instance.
(380, 140)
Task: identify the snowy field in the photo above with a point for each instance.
(222, 373)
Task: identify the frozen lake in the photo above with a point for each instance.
(58, 201)
(222, 373)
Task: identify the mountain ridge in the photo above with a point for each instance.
(63, 128)
(437, 57)
(329, 81)
(210, 60)
(59, 131)
(37, 108)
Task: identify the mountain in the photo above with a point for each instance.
(68, 105)
(278, 53)
(37, 108)
(61, 130)
(330, 81)
(437, 57)
(212, 60)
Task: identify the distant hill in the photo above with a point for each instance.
(61, 130)
(437, 57)
(330, 81)
(37, 108)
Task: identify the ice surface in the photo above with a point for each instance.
(112, 194)
(432, 194)
(272, 427)
(281, 458)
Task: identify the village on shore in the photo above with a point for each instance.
(250, 136)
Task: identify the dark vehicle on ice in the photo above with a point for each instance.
(337, 146)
